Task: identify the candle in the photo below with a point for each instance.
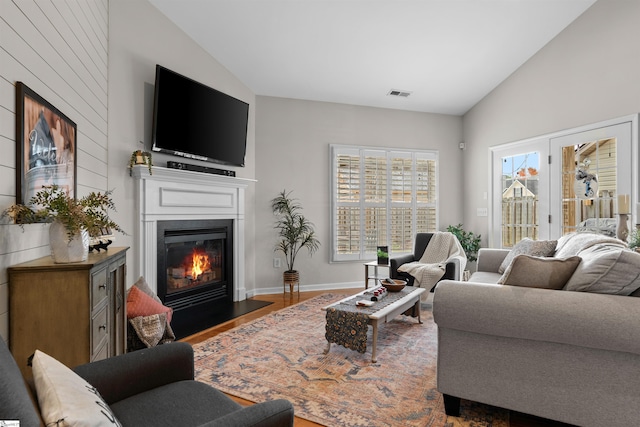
(623, 203)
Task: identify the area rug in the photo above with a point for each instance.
(281, 355)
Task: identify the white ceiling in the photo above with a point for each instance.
(448, 53)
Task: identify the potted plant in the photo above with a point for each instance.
(140, 157)
(470, 243)
(72, 220)
(295, 232)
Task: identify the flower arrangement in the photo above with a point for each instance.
(51, 204)
(140, 157)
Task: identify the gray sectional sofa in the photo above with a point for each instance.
(569, 352)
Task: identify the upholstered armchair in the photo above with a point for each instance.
(452, 269)
(150, 387)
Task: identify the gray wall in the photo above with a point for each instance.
(589, 73)
(58, 49)
(141, 37)
(292, 149)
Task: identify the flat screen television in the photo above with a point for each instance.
(195, 121)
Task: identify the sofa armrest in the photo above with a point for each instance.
(132, 373)
(489, 259)
(576, 318)
(396, 262)
(274, 413)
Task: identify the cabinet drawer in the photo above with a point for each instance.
(98, 287)
(103, 353)
(99, 329)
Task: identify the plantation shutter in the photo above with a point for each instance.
(380, 197)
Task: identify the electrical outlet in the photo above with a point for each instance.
(276, 263)
(481, 211)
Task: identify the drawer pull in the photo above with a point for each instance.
(102, 327)
(104, 286)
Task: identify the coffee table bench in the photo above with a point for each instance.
(385, 313)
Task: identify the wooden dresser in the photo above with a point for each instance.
(73, 312)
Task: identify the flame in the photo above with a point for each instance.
(200, 264)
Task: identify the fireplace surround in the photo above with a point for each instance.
(197, 200)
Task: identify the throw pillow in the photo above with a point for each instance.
(539, 272)
(141, 304)
(144, 287)
(527, 246)
(607, 269)
(67, 399)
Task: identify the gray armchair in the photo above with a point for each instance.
(452, 269)
(153, 387)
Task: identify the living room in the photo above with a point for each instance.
(104, 82)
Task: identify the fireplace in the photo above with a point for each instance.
(195, 271)
(201, 204)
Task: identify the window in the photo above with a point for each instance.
(380, 197)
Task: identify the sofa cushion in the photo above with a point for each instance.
(485, 277)
(606, 269)
(63, 395)
(199, 403)
(527, 246)
(573, 243)
(539, 272)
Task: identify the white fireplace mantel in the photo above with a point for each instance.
(173, 194)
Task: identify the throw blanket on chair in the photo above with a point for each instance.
(442, 248)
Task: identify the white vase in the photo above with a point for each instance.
(64, 250)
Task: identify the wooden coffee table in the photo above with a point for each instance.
(386, 313)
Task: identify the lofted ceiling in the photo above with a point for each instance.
(447, 54)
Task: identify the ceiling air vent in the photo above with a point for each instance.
(400, 93)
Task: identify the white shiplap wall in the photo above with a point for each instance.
(59, 48)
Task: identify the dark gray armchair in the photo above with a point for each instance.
(452, 269)
(151, 387)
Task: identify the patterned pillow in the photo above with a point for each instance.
(141, 304)
(539, 272)
(67, 399)
(527, 246)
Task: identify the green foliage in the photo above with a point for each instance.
(53, 204)
(147, 158)
(382, 254)
(634, 239)
(470, 242)
(294, 230)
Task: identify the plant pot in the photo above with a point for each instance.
(64, 250)
(291, 278)
(383, 255)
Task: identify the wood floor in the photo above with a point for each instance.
(285, 300)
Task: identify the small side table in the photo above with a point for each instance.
(375, 276)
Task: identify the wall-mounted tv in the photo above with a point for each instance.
(198, 122)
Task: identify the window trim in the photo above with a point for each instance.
(338, 149)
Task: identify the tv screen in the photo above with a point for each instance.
(198, 122)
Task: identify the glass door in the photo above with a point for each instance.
(592, 169)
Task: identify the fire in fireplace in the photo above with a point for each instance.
(195, 271)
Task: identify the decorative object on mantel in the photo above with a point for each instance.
(140, 157)
(74, 221)
(295, 232)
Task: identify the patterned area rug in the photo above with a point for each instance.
(281, 355)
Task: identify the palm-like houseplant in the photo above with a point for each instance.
(295, 232)
(88, 215)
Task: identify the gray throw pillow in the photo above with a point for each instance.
(539, 272)
(607, 269)
(527, 246)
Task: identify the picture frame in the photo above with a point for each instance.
(46, 146)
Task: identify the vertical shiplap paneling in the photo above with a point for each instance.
(59, 48)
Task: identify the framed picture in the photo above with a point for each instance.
(45, 146)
